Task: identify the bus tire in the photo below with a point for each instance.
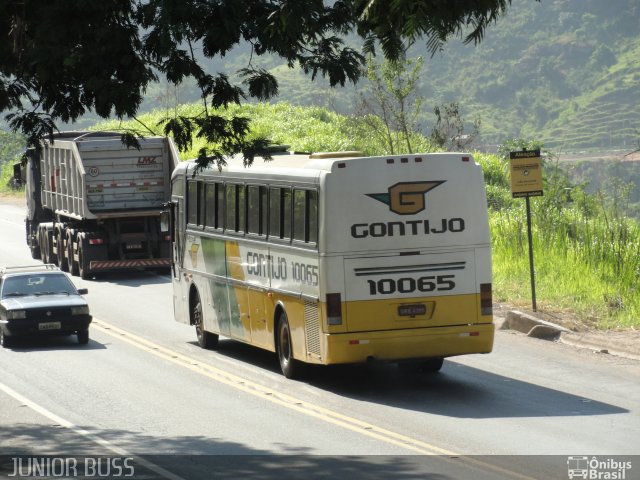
(428, 365)
(206, 340)
(432, 365)
(284, 348)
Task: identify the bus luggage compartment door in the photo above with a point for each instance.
(399, 291)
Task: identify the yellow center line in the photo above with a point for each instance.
(293, 403)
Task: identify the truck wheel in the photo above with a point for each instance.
(43, 245)
(35, 252)
(289, 365)
(206, 339)
(51, 257)
(62, 260)
(83, 263)
(32, 241)
(73, 265)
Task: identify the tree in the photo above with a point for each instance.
(392, 100)
(448, 132)
(62, 58)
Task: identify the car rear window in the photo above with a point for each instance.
(37, 283)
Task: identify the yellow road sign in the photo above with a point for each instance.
(526, 174)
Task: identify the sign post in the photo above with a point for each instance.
(526, 181)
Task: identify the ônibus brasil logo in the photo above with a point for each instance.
(406, 198)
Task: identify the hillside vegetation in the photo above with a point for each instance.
(587, 249)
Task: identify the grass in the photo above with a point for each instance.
(582, 265)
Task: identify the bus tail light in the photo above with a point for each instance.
(486, 301)
(334, 309)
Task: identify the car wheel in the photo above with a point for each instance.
(290, 366)
(83, 337)
(206, 339)
(5, 340)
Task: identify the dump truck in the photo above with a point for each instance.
(94, 204)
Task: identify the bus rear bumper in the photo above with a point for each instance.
(409, 344)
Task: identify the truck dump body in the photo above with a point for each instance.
(91, 178)
(93, 204)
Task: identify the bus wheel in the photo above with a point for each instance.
(289, 365)
(429, 365)
(205, 339)
(432, 365)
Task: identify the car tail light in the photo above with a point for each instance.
(96, 241)
(334, 309)
(486, 301)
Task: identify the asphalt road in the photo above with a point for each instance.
(142, 388)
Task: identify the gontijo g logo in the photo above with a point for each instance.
(406, 198)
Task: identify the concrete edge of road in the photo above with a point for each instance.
(622, 344)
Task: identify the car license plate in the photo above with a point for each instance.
(134, 246)
(412, 310)
(49, 326)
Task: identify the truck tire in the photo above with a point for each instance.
(34, 246)
(73, 265)
(63, 264)
(48, 245)
(42, 241)
(83, 260)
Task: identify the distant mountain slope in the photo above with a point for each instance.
(563, 71)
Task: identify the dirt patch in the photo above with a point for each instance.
(12, 198)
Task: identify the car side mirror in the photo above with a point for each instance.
(83, 291)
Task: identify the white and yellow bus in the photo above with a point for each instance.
(334, 258)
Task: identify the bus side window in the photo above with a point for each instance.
(192, 202)
(210, 205)
(257, 209)
(305, 216)
(312, 216)
(286, 213)
(299, 217)
(220, 193)
(202, 203)
(274, 212)
(241, 223)
(280, 212)
(231, 207)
